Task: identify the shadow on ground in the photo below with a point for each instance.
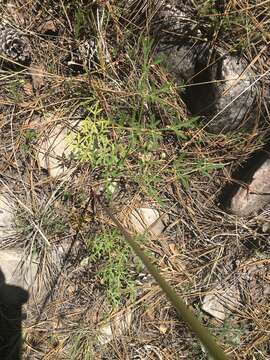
(11, 300)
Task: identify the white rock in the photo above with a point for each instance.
(6, 217)
(14, 271)
(146, 219)
(220, 86)
(211, 305)
(117, 327)
(251, 277)
(255, 195)
(21, 270)
(221, 301)
(53, 146)
(85, 262)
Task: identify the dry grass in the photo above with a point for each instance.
(184, 176)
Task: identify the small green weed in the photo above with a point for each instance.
(29, 137)
(82, 16)
(82, 345)
(233, 25)
(14, 89)
(229, 333)
(184, 168)
(113, 258)
(94, 144)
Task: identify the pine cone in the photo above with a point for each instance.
(14, 44)
(88, 52)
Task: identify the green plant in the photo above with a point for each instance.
(128, 143)
(82, 345)
(184, 168)
(113, 258)
(81, 14)
(14, 89)
(94, 144)
(233, 25)
(29, 137)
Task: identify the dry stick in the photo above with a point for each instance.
(202, 333)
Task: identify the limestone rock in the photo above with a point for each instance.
(14, 271)
(48, 27)
(146, 220)
(218, 86)
(6, 217)
(221, 301)
(212, 306)
(247, 286)
(53, 148)
(22, 270)
(117, 327)
(38, 74)
(176, 19)
(255, 195)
